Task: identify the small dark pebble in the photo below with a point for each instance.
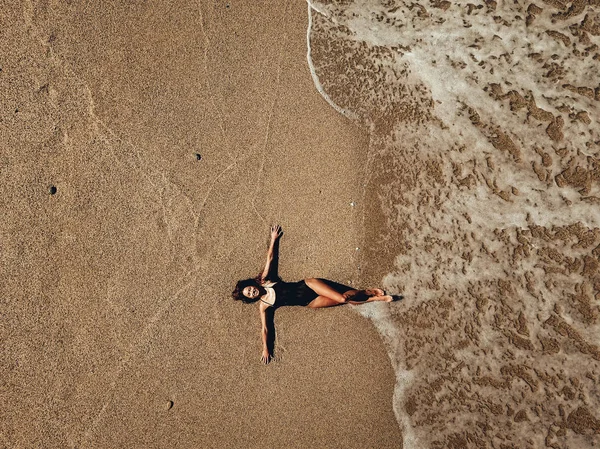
(170, 405)
(227, 5)
(16, 110)
(52, 190)
(198, 156)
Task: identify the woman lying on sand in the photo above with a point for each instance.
(271, 292)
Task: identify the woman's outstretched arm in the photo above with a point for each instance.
(270, 270)
(266, 355)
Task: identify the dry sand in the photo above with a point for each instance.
(117, 325)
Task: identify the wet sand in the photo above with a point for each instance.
(117, 323)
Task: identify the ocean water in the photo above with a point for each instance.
(481, 207)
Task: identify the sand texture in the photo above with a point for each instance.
(120, 246)
(482, 208)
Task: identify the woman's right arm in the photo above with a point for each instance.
(276, 233)
(265, 357)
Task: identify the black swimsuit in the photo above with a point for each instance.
(293, 294)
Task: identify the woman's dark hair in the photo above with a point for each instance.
(238, 294)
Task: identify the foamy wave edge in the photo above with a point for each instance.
(345, 112)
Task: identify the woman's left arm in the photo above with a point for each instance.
(276, 233)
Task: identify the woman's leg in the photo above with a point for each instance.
(358, 296)
(322, 289)
(386, 298)
(329, 297)
(323, 301)
(374, 292)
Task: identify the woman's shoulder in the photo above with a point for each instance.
(262, 306)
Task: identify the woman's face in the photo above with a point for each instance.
(250, 292)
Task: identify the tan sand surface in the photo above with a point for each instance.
(117, 325)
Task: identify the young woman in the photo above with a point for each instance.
(271, 292)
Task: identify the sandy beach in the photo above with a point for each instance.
(448, 152)
(146, 149)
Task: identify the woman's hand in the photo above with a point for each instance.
(276, 232)
(266, 357)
